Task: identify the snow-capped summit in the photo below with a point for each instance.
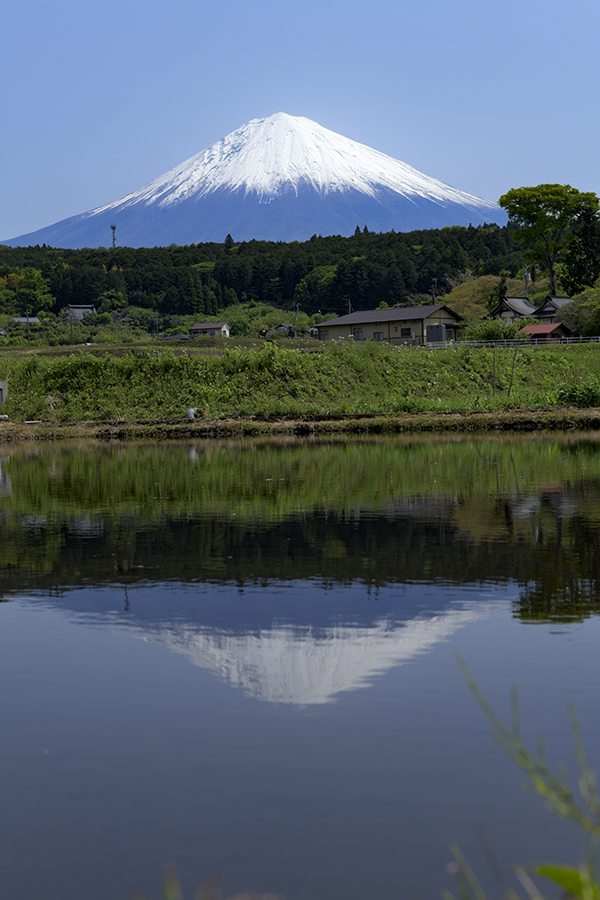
(279, 178)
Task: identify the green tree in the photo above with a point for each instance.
(111, 301)
(496, 330)
(24, 290)
(582, 314)
(582, 262)
(547, 216)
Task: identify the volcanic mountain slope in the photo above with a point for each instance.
(282, 178)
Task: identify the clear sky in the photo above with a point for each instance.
(99, 98)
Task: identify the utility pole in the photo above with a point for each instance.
(527, 280)
(433, 288)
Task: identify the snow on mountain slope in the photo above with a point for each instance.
(279, 178)
(269, 156)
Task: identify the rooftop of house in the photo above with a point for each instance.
(556, 302)
(544, 329)
(397, 314)
(206, 326)
(518, 305)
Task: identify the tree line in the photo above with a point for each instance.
(554, 228)
(323, 274)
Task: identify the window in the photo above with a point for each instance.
(357, 334)
(378, 335)
(405, 332)
(323, 335)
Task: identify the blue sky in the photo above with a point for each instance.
(98, 99)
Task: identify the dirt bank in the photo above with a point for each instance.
(162, 429)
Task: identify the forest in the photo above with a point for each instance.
(319, 276)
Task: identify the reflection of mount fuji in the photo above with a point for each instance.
(300, 642)
(302, 665)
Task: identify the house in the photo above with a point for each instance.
(549, 308)
(401, 325)
(26, 320)
(550, 331)
(213, 329)
(74, 313)
(513, 308)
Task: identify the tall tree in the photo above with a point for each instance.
(546, 217)
(582, 262)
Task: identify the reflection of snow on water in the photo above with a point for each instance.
(303, 666)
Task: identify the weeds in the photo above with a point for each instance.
(341, 379)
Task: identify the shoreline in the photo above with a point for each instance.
(519, 420)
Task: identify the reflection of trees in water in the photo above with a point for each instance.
(544, 546)
(378, 512)
(565, 580)
(564, 575)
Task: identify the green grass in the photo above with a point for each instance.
(342, 379)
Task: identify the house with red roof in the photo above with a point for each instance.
(552, 331)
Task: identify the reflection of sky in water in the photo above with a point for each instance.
(122, 755)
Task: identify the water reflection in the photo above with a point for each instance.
(316, 589)
(378, 512)
(309, 665)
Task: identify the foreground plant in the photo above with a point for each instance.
(208, 889)
(560, 797)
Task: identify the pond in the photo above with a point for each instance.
(238, 657)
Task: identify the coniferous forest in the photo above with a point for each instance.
(321, 275)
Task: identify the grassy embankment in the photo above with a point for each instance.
(390, 387)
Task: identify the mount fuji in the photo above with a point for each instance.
(282, 178)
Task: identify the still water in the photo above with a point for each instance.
(237, 656)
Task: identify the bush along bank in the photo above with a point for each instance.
(346, 379)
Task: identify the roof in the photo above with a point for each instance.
(556, 302)
(397, 314)
(200, 326)
(545, 329)
(77, 311)
(518, 305)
